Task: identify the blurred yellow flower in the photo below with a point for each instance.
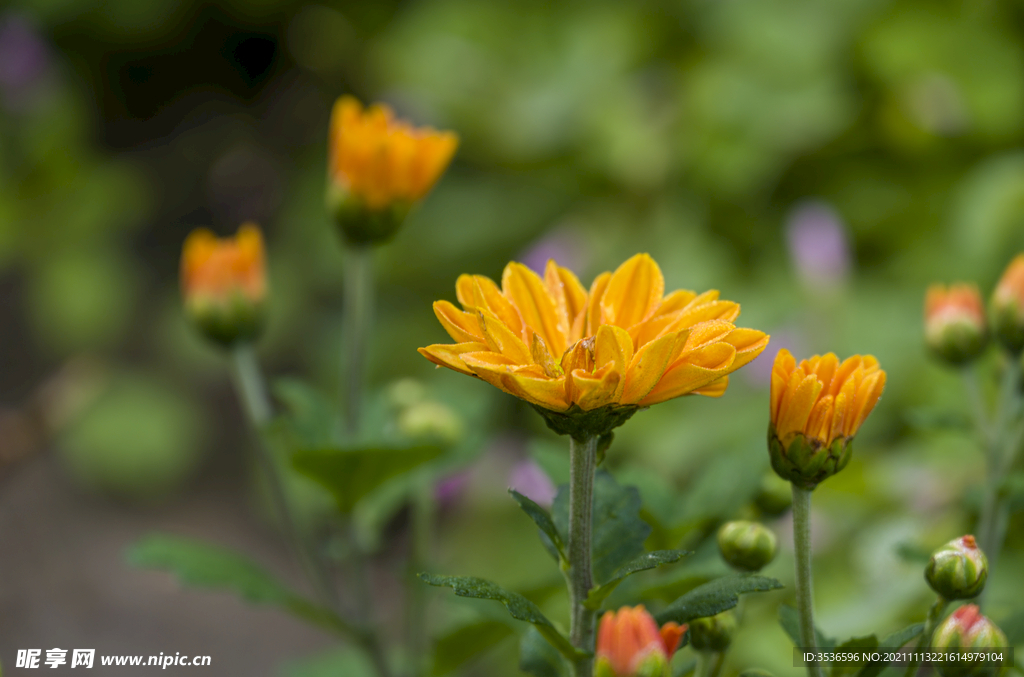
(623, 344)
(378, 163)
(816, 409)
(224, 282)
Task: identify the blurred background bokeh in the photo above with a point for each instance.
(820, 163)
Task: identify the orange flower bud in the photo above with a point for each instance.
(224, 283)
(954, 322)
(379, 167)
(1008, 306)
(816, 409)
(629, 644)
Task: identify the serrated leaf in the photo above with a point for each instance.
(538, 658)
(644, 562)
(208, 566)
(349, 474)
(789, 619)
(853, 645)
(457, 647)
(543, 521)
(619, 533)
(893, 641)
(518, 606)
(715, 597)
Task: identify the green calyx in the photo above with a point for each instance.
(958, 341)
(748, 546)
(957, 570)
(361, 225)
(807, 462)
(653, 664)
(1008, 324)
(582, 425)
(713, 633)
(981, 635)
(226, 321)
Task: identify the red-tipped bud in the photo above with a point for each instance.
(958, 569)
(1008, 306)
(967, 632)
(630, 644)
(954, 322)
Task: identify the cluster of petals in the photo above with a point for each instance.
(943, 305)
(1010, 289)
(215, 268)
(629, 636)
(380, 159)
(821, 398)
(624, 342)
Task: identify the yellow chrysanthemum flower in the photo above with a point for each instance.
(606, 352)
(379, 166)
(816, 409)
(224, 283)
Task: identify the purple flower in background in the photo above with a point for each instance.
(563, 244)
(450, 489)
(531, 481)
(818, 245)
(24, 60)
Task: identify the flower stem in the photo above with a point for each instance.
(252, 391)
(804, 584)
(423, 513)
(709, 663)
(357, 318)
(580, 574)
(934, 615)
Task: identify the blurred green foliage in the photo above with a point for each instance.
(695, 130)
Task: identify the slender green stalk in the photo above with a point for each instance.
(421, 536)
(804, 583)
(934, 616)
(369, 639)
(709, 663)
(252, 391)
(357, 318)
(580, 574)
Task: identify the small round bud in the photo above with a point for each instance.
(713, 633)
(958, 569)
(954, 322)
(431, 420)
(774, 496)
(966, 631)
(748, 546)
(1007, 307)
(406, 392)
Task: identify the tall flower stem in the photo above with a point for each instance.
(422, 519)
(804, 582)
(709, 663)
(253, 394)
(580, 573)
(357, 318)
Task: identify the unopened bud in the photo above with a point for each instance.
(774, 496)
(1007, 306)
(954, 322)
(749, 546)
(713, 633)
(958, 569)
(431, 419)
(966, 632)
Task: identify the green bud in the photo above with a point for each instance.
(228, 320)
(654, 664)
(749, 546)
(966, 631)
(774, 496)
(807, 462)
(958, 569)
(358, 223)
(713, 633)
(1007, 307)
(431, 420)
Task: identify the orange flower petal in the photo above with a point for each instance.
(461, 326)
(528, 294)
(451, 355)
(634, 292)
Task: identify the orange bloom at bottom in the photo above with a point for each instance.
(630, 644)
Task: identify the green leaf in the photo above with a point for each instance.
(854, 645)
(518, 606)
(648, 560)
(457, 647)
(619, 532)
(715, 597)
(208, 566)
(538, 658)
(893, 641)
(311, 418)
(352, 473)
(789, 619)
(543, 520)
(685, 668)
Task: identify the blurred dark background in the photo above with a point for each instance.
(820, 163)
